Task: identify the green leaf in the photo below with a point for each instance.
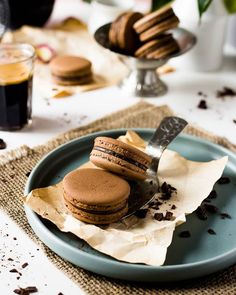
(156, 4)
(230, 5)
(202, 6)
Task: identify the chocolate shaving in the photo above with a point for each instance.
(226, 91)
(211, 231)
(225, 215)
(202, 104)
(26, 291)
(234, 120)
(211, 208)
(168, 215)
(141, 213)
(173, 207)
(28, 174)
(201, 212)
(223, 180)
(3, 145)
(24, 265)
(185, 234)
(212, 195)
(158, 216)
(13, 270)
(166, 191)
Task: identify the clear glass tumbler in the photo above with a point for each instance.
(16, 74)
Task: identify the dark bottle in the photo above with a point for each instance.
(29, 12)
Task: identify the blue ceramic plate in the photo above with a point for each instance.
(199, 255)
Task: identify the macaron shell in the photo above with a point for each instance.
(72, 81)
(160, 28)
(117, 166)
(97, 218)
(123, 148)
(164, 51)
(153, 18)
(63, 65)
(150, 46)
(95, 187)
(97, 208)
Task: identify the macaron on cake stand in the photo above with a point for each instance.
(143, 79)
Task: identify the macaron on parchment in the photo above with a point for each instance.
(95, 196)
(71, 70)
(120, 158)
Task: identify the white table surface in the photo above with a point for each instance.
(53, 116)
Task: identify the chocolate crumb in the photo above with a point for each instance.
(158, 216)
(166, 191)
(226, 91)
(28, 174)
(234, 120)
(31, 289)
(185, 234)
(212, 195)
(200, 93)
(60, 293)
(168, 215)
(202, 104)
(10, 259)
(14, 238)
(18, 278)
(211, 208)
(3, 145)
(26, 291)
(207, 201)
(211, 231)
(141, 213)
(225, 215)
(223, 180)
(173, 207)
(24, 265)
(201, 212)
(13, 270)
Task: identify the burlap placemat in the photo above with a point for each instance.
(16, 164)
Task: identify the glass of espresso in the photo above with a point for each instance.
(16, 73)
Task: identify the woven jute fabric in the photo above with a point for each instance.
(15, 165)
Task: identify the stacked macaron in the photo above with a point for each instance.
(151, 29)
(100, 196)
(69, 70)
(147, 37)
(122, 34)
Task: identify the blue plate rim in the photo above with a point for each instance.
(30, 213)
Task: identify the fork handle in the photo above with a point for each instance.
(168, 129)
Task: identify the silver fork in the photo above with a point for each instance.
(143, 192)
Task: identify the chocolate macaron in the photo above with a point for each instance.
(155, 23)
(71, 70)
(122, 35)
(161, 47)
(96, 196)
(119, 157)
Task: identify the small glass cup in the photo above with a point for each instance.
(16, 73)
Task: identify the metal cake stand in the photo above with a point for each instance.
(143, 79)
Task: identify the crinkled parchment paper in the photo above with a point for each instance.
(135, 239)
(71, 37)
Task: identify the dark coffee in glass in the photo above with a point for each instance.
(16, 69)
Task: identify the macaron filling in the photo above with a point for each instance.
(122, 157)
